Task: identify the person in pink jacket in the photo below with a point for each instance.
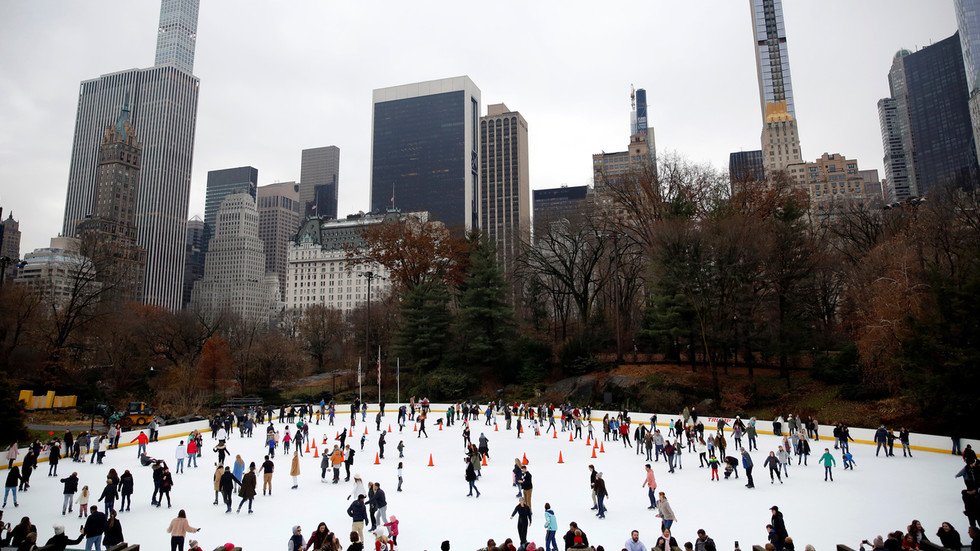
(178, 529)
(650, 483)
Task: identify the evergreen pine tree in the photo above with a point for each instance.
(486, 320)
(12, 429)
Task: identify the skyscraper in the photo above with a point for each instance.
(939, 117)
(968, 21)
(234, 279)
(221, 184)
(194, 247)
(425, 153)
(553, 204)
(10, 237)
(108, 236)
(163, 103)
(780, 135)
(896, 134)
(177, 34)
(771, 55)
(319, 181)
(609, 169)
(505, 190)
(745, 167)
(279, 218)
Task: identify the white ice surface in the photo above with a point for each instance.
(883, 494)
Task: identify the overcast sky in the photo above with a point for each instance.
(281, 76)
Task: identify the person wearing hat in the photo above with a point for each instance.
(358, 514)
(296, 541)
(59, 541)
(194, 546)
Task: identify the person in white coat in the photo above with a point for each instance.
(181, 455)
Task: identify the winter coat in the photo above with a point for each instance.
(357, 512)
(951, 539)
(550, 522)
(746, 461)
(218, 474)
(247, 488)
(113, 533)
(109, 493)
(666, 513)
(179, 527)
(827, 460)
(126, 484)
(294, 469)
(71, 484)
(59, 542)
(600, 487)
(470, 472)
(226, 483)
(772, 462)
(707, 545)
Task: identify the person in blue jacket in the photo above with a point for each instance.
(550, 528)
(747, 465)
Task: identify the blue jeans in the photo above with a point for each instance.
(180, 465)
(7, 491)
(140, 450)
(549, 541)
(95, 542)
(473, 487)
(602, 507)
(653, 497)
(667, 524)
(192, 460)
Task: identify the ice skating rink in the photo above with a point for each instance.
(880, 495)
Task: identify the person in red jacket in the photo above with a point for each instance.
(142, 439)
(192, 452)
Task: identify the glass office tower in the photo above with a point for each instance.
(425, 150)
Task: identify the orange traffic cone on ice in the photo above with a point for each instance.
(571, 437)
(415, 427)
(496, 428)
(602, 448)
(484, 463)
(316, 453)
(389, 428)
(588, 440)
(554, 435)
(560, 460)
(351, 434)
(377, 459)
(524, 461)
(593, 453)
(431, 464)
(365, 431)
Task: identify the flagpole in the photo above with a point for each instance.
(360, 393)
(379, 374)
(398, 378)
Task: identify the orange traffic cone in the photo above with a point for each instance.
(351, 434)
(431, 464)
(595, 443)
(377, 460)
(484, 461)
(560, 460)
(307, 447)
(602, 448)
(365, 431)
(389, 428)
(496, 428)
(440, 426)
(524, 461)
(316, 453)
(571, 438)
(555, 435)
(593, 453)
(588, 440)
(415, 427)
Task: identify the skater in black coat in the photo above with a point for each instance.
(59, 541)
(778, 527)
(523, 513)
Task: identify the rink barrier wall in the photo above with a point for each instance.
(919, 442)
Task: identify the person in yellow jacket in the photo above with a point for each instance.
(294, 469)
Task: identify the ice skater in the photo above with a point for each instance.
(774, 469)
(828, 461)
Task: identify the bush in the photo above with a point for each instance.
(838, 367)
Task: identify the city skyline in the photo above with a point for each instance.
(574, 114)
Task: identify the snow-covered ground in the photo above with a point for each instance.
(881, 495)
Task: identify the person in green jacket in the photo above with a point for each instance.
(827, 461)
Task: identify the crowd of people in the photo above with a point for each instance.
(724, 446)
